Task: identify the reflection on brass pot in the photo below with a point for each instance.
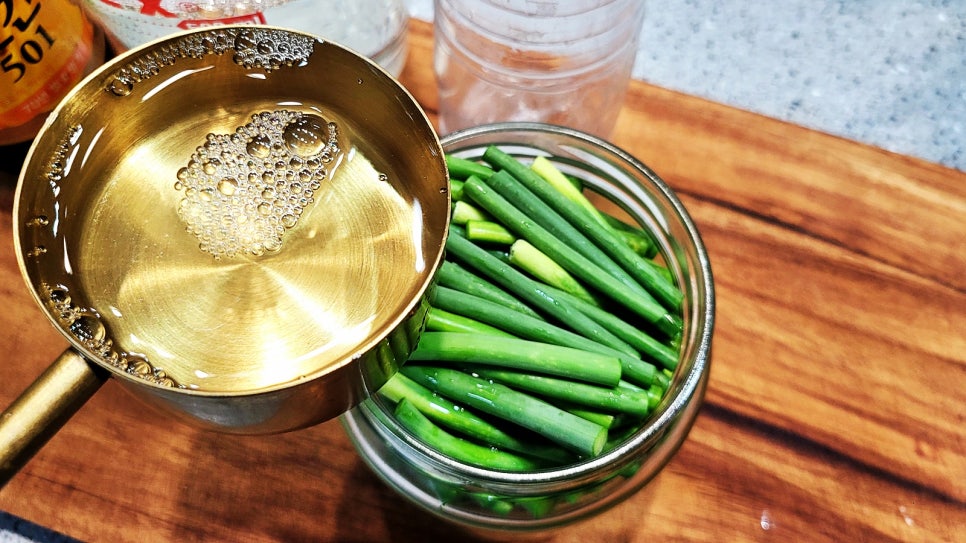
(239, 224)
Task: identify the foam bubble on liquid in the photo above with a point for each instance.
(87, 327)
(254, 48)
(243, 191)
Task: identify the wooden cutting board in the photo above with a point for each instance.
(835, 410)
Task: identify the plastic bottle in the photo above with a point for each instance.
(46, 47)
(374, 28)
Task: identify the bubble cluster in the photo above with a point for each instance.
(242, 191)
(270, 48)
(88, 329)
(265, 48)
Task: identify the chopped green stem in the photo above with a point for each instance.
(533, 261)
(613, 399)
(517, 324)
(486, 231)
(664, 291)
(458, 419)
(525, 327)
(400, 345)
(649, 347)
(604, 419)
(577, 182)
(658, 268)
(620, 435)
(456, 277)
(638, 244)
(455, 189)
(499, 506)
(460, 449)
(570, 431)
(638, 239)
(655, 394)
(542, 214)
(440, 320)
(663, 380)
(509, 352)
(516, 221)
(530, 291)
(551, 174)
(502, 256)
(464, 211)
(461, 168)
(639, 371)
(537, 506)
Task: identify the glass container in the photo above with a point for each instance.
(566, 62)
(494, 502)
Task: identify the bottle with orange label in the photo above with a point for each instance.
(374, 28)
(46, 47)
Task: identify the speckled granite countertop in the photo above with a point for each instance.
(891, 73)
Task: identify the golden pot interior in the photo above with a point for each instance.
(233, 211)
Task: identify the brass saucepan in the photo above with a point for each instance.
(239, 224)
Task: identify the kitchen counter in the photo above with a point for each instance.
(890, 73)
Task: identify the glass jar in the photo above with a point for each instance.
(492, 501)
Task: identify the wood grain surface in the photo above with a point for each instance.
(835, 410)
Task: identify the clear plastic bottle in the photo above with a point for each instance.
(374, 28)
(565, 62)
(45, 49)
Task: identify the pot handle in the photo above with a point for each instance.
(44, 407)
